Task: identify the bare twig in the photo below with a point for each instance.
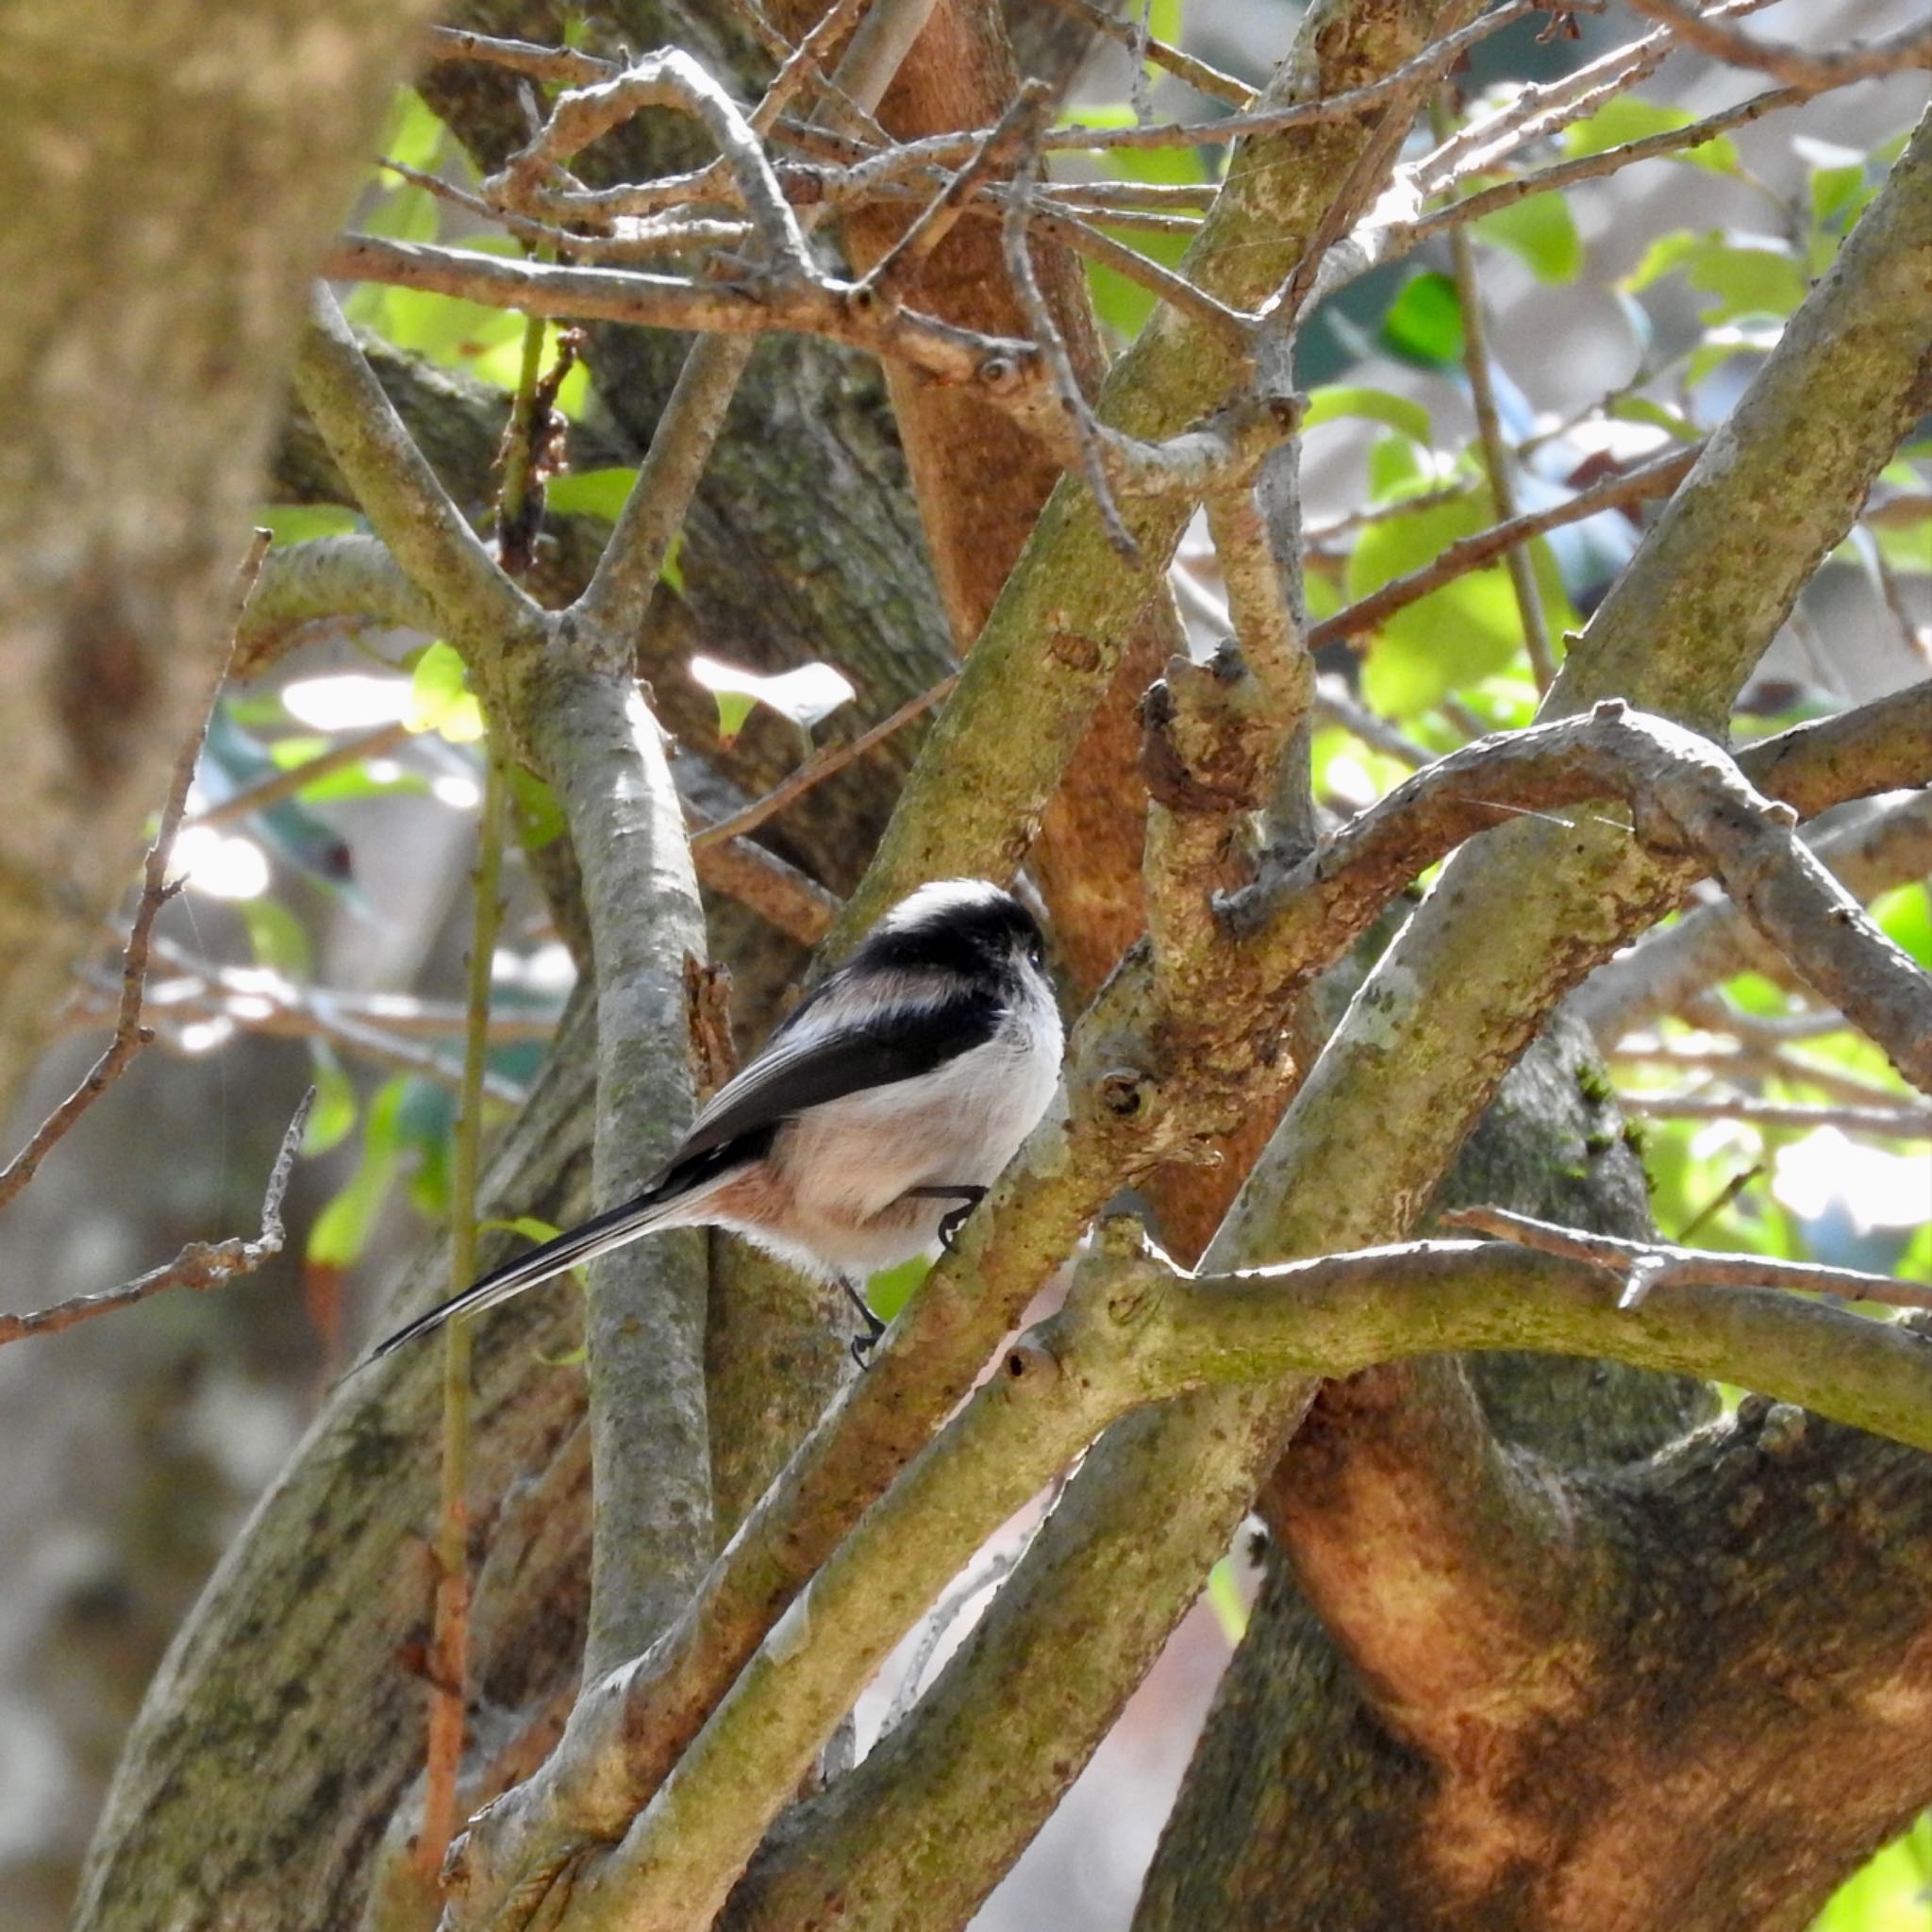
(1792, 65)
(1667, 142)
(893, 274)
(1183, 66)
(1647, 1266)
(780, 894)
(157, 888)
(997, 366)
(450, 1639)
(199, 1265)
(818, 768)
(520, 56)
(1062, 223)
(1053, 345)
(1899, 1123)
(1656, 477)
(1372, 166)
(1667, 969)
(339, 758)
(804, 63)
(1682, 791)
(1497, 460)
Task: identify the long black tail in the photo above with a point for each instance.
(575, 1245)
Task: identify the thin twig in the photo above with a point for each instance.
(1647, 1266)
(199, 1265)
(787, 899)
(897, 270)
(1183, 66)
(157, 888)
(1064, 224)
(1053, 343)
(449, 1642)
(1792, 65)
(520, 56)
(1898, 1122)
(1669, 142)
(1370, 171)
(819, 767)
(1496, 457)
(339, 758)
(1653, 478)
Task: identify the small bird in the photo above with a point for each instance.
(879, 1114)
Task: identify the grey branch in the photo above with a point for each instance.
(199, 1265)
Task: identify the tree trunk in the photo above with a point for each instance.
(170, 173)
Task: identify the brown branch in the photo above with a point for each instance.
(1792, 65)
(1656, 477)
(1060, 222)
(1647, 1266)
(897, 272)
(157, 888)
(1078, 413)
(791, 901)
(199, 1265)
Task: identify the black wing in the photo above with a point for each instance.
(806, 1066)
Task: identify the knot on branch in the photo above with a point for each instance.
(1209, 738)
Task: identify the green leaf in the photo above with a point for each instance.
(591, 492)
(1906, 915)
(439, 698)
(1334, 401)
(1888, 1893)
(359, 781)
(529, 1226)
(341, 1232)
(414, 135)
(301, 522)
(1642, 409)
(1626, 119)
(890, 1289)
(1424, 322)
(1749, 275)
(1542, 231)
(805, 695)
(1397, 469)
(1468, 630)
(333, 1117)
(278, 938)
(537, 817)
(1225, 1600)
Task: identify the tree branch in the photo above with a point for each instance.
(199, 1265)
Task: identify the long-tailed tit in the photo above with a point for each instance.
(875, 1119)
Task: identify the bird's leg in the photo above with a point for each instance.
(862, 1345)
(965, 1193)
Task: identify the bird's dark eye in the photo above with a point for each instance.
(1035, 953)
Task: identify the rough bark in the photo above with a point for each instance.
(142, 363)
(284, 1724)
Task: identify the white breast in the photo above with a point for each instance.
(958, 1125)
